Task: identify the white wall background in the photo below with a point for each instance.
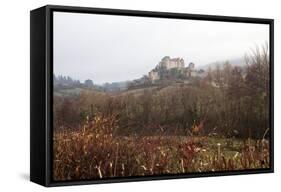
(14, 95)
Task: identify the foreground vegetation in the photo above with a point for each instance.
(94, 153)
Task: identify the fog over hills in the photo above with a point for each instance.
(108, 48)
(234, 62)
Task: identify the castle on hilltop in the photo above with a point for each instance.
(170, 63)
(176, 65)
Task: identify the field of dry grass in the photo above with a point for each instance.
(95, 152)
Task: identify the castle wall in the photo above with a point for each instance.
(153, 75)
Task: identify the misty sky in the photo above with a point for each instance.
(118, 48)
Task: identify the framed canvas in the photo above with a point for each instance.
(125, 95)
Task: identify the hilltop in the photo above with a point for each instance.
(167, 71)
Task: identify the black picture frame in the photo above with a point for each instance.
(41, 90)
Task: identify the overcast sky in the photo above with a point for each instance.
(117, 48)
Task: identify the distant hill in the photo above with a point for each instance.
(114, 86)
(169, 70)
(234, 62)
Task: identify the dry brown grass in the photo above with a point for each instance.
(94, 152)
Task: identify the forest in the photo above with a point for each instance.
(220, 122)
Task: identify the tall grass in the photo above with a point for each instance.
(94, 152)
